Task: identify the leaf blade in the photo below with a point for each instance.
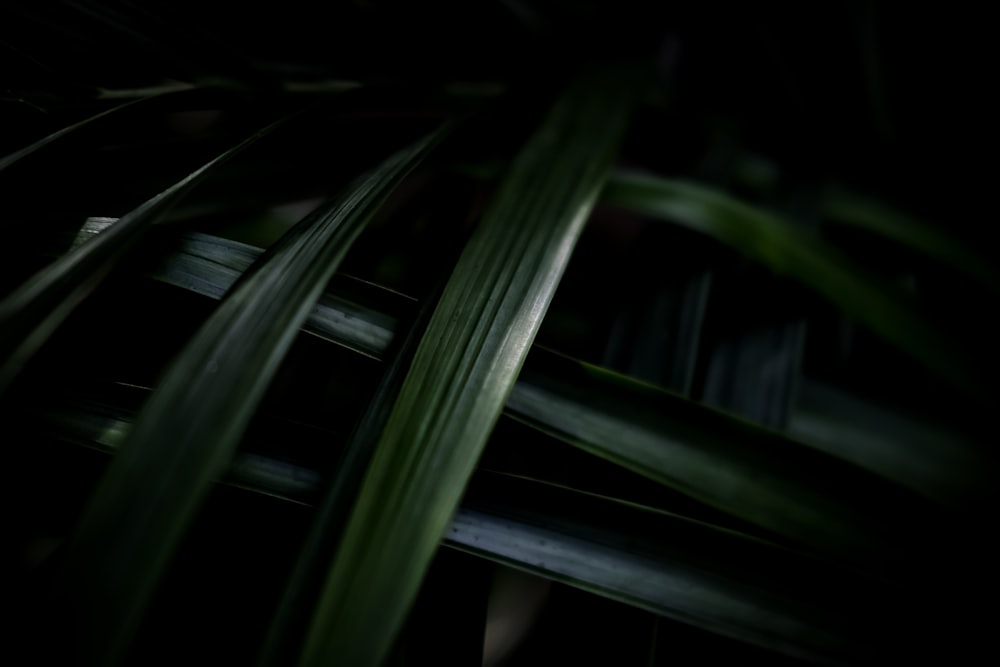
(30, 314)
(461, 374)
(186, 433)
(789, 251)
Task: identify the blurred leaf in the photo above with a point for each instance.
(30, 314)
(911, 450)
(59, 134)
(186, 434)
(792, 252)
(734, 465)
(852, 209)
(719, 580)
(463, 370)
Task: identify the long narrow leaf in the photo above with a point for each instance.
(186, 434)
(789, 251)
(714, 579)
(463, 370)
(32, 313)
(935, 461)
(738, 467)
(287, 631)
(852, 209)
(589, 411)
(209, 266)
(52, 138)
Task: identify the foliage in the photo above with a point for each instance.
(537, 302)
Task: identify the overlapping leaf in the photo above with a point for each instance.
(792, 252)
(751, 472)
(596, 544)
(186, 434)
(849, 208)
(31, 313)
(714, 579)
(54, 137)
(463, 370)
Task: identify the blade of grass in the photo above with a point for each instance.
(186, 434)
(463, 370)
(30, 314)
(792, 252)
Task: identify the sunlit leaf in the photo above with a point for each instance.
(463, 370)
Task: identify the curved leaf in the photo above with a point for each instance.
(186, 434)
(463, 370)
(30, 314)
(743, 469)
(852, 209)
(790, 251)
(689, 447)
(49, 139)
(715, 579)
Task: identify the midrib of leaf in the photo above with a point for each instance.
(186, 434)
(463, 370)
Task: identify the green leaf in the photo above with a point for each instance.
(689, 447)
(210, 265)
(743, 469)
(463, 371)
(287, 630)
(50, 139)
(948, 466)
(186, 434)
(30, 314)
(719, 580)
(792, 252)
(858, 211)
